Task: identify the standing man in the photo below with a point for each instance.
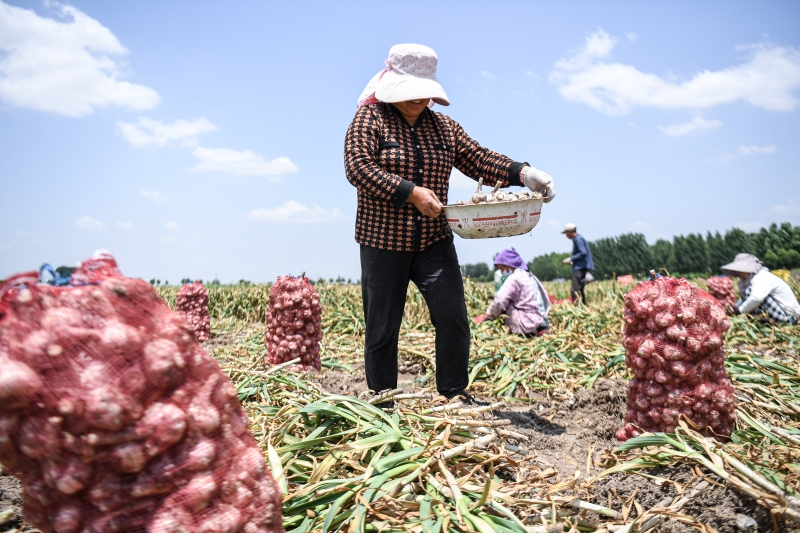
(581, 262)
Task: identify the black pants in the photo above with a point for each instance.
(384, 282)
(578, 285)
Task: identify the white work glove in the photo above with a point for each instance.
(567, 261)
(539, 181)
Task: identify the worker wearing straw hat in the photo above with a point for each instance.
(399, 155)
(761, 292)
(522, 297)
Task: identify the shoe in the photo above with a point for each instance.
(385, 405)
(466, 398)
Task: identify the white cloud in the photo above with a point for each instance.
(155, 196)
(125, 225)
(148, 132)
(638, 226)
(789, 208)
(696, 124)
(488, 75)
(753, 149)
(88, 223)
(632, 36)
(767, 78)
(533, 75)
(23, 234)
(292, 211)
(171, 226)
(745, 151)
(168, 240)
(242, 163)
(68, 66)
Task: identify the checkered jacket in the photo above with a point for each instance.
(385, 158)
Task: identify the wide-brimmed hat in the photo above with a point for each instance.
(742, 263)
(410, 74)
(510, 258)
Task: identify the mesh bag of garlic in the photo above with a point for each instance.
(114, 417)
(192, 304)
(673, 344)
(721, 288)
(294, 323)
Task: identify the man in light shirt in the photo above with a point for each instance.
(761, 291)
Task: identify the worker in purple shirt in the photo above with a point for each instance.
(581, 262)
(522, 298)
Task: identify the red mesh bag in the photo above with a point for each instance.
(294, 323)
(721, 288)
(116, 420)
(192, 304)
(673, 344)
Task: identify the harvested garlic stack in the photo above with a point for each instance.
(294, 323)
(116, 419)
(192, 304)
(721, 288)
(673, 344)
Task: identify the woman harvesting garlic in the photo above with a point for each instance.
(399, 155)
(522, 297)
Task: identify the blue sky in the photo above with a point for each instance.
(207, 140)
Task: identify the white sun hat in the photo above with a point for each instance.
(747, 263)
(410, 74)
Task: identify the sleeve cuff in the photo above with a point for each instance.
(400, 196)
(513, 173)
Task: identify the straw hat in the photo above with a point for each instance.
(410, 74)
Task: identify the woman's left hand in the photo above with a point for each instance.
(426, 201)
(539, 181)
(479, 319)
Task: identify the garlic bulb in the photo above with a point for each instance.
(479, 196)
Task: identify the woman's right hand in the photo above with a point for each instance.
(426, 201)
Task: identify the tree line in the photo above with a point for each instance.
(777, 246)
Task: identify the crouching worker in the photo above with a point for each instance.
(522, 297)
(762, 292)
